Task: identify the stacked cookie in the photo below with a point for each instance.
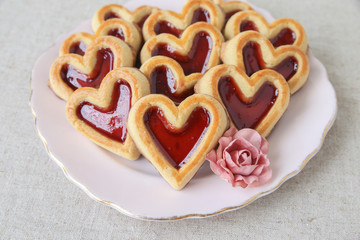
(168, 85)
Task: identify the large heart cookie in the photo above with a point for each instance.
(101, 114)
(167, 77)
(283, 31)
(174, 23)
(251, 52)
(257, 102)
(138, 16)
(176, 139)
(72, 71)
(197, 50)
(126, 31)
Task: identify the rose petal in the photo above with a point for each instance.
(250, 135)
(263, 178)
(230, 133)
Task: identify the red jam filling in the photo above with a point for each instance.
(166, 27)
(201, 15)
(177, 144)
(116, 32)
(109, 121)
(246, 112)
(284, 37)
(76, 79)
(248, 26)
(78, 48)
(111, 15)
(197, 58)
(162, 81)
(228, 15)
(254, 62)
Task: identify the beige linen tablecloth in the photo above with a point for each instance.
(38, 202)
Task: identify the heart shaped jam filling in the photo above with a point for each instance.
(116, 32)
(78, 48)
(177, 144)
(111, 15)
(285, 37)
(109, 121)
(197, 58)
(200, 15)
(162, 81)
(248, 26)
(166, 27)
(254, 62)
(246, 112)
(76, 79)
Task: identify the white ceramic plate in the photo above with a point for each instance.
(137, 190)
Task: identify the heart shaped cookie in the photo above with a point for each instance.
(283, 31)
(196, 51)
(101, 114)
(257, 102)
(167, 77)
(174, 23)
(251, 52)
(126, 31)
(176, 139)
(138, 16)
(230, 7)
(72, 71)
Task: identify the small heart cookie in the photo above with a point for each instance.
(167, 77)
(257, 102)
(176, 139)
(196, 51)
(230, 7)
(126, 31)
(72, 71)
(174, 23)
(283, 31)
(101, 114)
(251, 52)
(138, 16)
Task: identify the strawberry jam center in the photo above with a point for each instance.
(163, 81)
(177, 144)
(78, 48)
(254, 62)
(197, 58)
(246, 112)
(76, 79)
(111, 120)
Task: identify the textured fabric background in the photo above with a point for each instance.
(38, 202)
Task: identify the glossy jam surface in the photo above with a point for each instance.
(284, 37)
(246, 112)
(253, 62)
(197, 58)
(228, 15)
(76, 79)
(78, 48)
(116, 32)
(201, 15)
(247, 26)
(166, 27)
(162, 81)
(177, 144)
(109, 121)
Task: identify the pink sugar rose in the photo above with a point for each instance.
(241, 158)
